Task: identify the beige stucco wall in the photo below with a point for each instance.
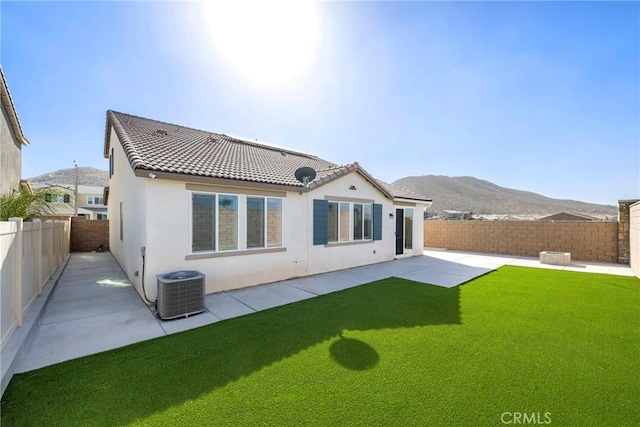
(634, 237)
(168, 237)
(134, 209)
(10, 156)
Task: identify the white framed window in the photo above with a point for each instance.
(338, 222)
(347, 221)
(95, 200)
(408, 229)
(264, 222)
(214, 222)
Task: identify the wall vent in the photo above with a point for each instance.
(180, 294)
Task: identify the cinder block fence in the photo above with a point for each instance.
(597, 241)
(89, 235)
(586, 240)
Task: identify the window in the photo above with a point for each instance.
(357, 221)
(408, 228)
(214, 229)
(203, 221)
(332, 222)
(111, 164)
(94, 200)
(349, 221)
(215, 222)
(101, 216)
(362, 221)
(255, 222)
(57, 198)
(338, 222)
(274, 222)
(368, 222)
(344, 222)
(264, 222)
(227, 222)
(121, 223)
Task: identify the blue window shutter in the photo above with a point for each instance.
(320, 221)
(377, 222)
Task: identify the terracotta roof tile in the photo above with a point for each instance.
(164, 147)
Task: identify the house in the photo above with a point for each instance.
(91, 198)
(457, 215)
(11, 141)
(62, 199)
(567, 216)
(186, 199)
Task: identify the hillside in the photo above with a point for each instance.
(466, 193)
(463, 193)
(86, 176)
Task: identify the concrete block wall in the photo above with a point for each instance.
(595, 241)
(88, 235)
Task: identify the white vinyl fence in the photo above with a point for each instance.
(30, 253)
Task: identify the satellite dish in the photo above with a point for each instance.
(305, 175)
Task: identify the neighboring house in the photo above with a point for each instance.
(91, 198)
(11, 141)
(62, 198)
(185, 199)
(457, 215)
(566, 216)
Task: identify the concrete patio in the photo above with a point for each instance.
(94, 308)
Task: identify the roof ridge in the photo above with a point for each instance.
(268, 146)
(163, 122)
(236, 138)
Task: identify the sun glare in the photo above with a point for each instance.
(270, 42)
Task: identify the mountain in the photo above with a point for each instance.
(86, 176)
(465, 193)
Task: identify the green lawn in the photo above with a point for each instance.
(559, 346)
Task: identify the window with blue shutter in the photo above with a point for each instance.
(320, 221)
(377, 222)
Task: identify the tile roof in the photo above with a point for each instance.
(163, 147)
(82, 189)
(152, 145)
(403, 193)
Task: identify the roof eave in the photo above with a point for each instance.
(7, 103)
(201, 179)
(354, 167)
(409, 200)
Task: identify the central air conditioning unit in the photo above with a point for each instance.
(180, 294)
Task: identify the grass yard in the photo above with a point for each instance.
(556, 347)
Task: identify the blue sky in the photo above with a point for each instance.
(538, 96)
